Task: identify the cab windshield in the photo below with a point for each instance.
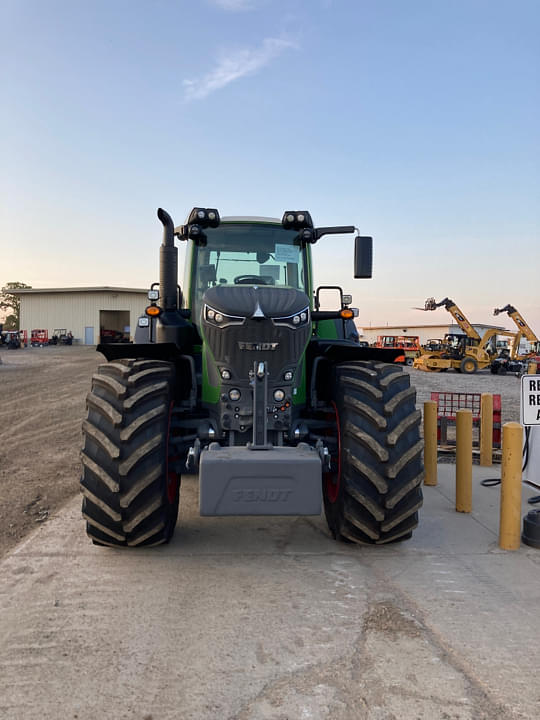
(247, 254)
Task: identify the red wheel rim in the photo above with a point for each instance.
(332, 480)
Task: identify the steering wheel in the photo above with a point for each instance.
(250, 280)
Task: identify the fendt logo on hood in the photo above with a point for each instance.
(260, 346)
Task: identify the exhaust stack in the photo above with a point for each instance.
(172, 326)
(168, 264)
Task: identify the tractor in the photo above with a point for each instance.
(243, 379)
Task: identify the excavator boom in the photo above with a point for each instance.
(522, 326)
(456, 313)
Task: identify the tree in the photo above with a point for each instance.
(10, 304)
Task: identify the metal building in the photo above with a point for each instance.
(91, 314)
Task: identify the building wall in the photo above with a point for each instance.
(76, 310)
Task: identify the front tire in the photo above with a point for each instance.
(130, 493)
(374, 493)
(468, 365)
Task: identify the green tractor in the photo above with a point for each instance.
(245, 380)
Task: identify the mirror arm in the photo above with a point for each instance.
(338, 230)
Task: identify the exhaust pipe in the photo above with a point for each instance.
(168, 264)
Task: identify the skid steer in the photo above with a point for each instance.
(243, 379)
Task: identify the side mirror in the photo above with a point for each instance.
(363, 257)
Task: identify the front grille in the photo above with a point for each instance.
(225, 345)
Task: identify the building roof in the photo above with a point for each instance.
(104, 288)
(409, 328)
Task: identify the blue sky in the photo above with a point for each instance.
(418, 121)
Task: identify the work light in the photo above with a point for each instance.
(205, 217)
(296, 220)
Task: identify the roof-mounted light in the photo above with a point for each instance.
(205, 217)
(296, 220)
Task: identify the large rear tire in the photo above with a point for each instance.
(373, 494)
(130, 493)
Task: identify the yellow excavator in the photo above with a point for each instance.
(512, 361)
(465, 352)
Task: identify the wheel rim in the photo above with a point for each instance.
(332, 481)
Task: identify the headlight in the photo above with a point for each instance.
(218, 319)
(299, 319)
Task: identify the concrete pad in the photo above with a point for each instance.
(251, 618)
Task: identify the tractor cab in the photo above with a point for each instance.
(245, 252)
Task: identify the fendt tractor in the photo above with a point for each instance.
(245, 380)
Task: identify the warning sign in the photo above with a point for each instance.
(530, 400)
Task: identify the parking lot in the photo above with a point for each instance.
(249, 618)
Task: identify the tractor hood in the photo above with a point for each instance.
(256, 301)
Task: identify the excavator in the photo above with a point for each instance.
(511, 361)
(465, 352)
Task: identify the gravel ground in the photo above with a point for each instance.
(507, 386)
(43, 394)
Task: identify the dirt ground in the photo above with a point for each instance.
(43, 392)
(42, 405)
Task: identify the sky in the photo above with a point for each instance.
(418, 121)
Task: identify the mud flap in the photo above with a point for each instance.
(277, 481)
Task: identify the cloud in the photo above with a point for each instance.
(235, 65)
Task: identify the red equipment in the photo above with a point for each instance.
(448, 403)
(39, 338)
(410, 344)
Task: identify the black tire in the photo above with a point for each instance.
(374, 493)
(409, 361)
(130, 493)
(468, 365)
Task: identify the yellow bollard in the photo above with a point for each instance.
(486, 429)
(510, 525)
(430, 442)
(463, 461)
(531, 369)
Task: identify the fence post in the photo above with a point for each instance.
(486, 429)
(463, 461)
(510, 524)
(430, 442)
